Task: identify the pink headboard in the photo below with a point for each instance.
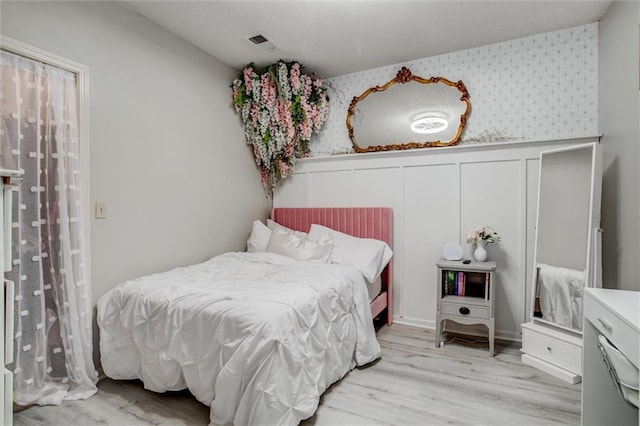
(363, 222)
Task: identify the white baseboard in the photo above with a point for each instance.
(415, 322)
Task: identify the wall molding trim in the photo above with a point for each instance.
(447, 149)
(437, 196)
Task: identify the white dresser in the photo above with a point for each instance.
(614, 315)
(553, 350)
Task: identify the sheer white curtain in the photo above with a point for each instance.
(39, 134)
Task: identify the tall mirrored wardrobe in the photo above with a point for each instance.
(566, 258)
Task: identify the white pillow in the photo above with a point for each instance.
(316, 250)
(259, 237)
(274, 225)
(298, 245)
(285, 243)
(368, 255)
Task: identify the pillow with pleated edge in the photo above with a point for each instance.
(298, 245)
(285, 242)
(316, 249)
(259, 237)
(272, 225)
(369, 255)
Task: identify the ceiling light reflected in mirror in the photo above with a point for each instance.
(429, 123)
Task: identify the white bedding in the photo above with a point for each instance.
(256, 336)
(561, 293)
(374, 289)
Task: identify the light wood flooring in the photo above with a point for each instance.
(412, 384)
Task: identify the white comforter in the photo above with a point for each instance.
(256, 336)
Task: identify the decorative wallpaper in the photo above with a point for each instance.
(533, 88)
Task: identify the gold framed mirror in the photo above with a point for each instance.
(408, 112)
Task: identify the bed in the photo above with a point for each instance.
(364, 222)
(256, 336)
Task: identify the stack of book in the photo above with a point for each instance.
(460, 283)
(453, 283)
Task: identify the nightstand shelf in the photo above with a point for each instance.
(466, 295)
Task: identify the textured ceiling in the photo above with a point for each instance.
(339, 37)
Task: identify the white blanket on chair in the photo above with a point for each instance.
(560, 291)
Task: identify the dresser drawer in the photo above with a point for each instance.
(610, 325)
(547, 347)
(474, 310)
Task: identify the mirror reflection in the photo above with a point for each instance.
(564, 236)
(408, 112)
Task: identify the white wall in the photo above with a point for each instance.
(577, 81)
(437, 196)
(167, 150)
(619, 117)
(544, 86)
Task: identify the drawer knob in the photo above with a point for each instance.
(549, 348)
(464, 310)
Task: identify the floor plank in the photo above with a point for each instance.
(413, 383)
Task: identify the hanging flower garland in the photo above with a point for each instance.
(281, 107)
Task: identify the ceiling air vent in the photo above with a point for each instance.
(262, 43)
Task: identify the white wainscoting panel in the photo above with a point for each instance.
(341, 184)
(437, 196)
(491, 195)
(293, 191)
(378, 186)
(431, 206)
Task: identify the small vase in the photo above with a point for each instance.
(480, 253)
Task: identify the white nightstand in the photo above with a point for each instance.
(466, 295)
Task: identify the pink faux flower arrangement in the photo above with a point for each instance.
(281, 108)
(484, 233)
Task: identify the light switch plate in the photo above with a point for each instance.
(101, 210)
